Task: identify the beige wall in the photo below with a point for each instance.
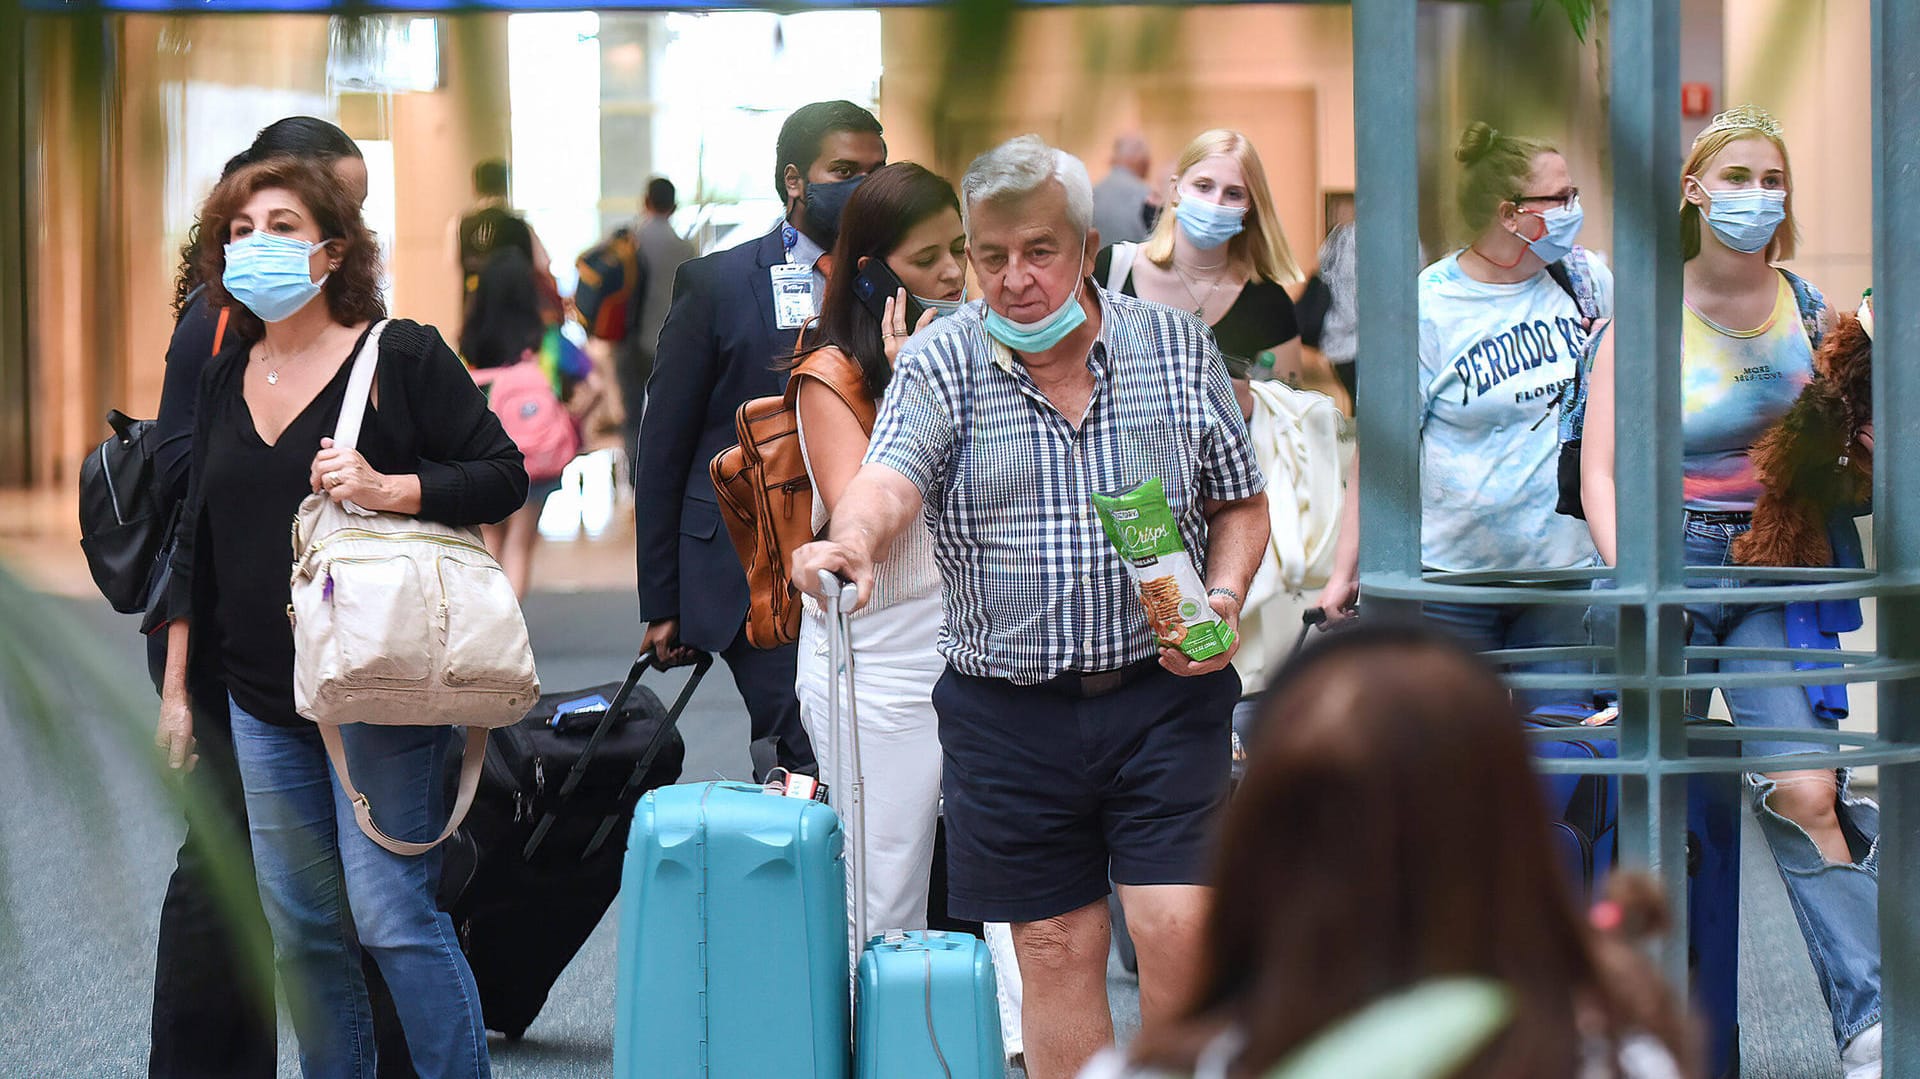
(1808, 62)
(437, 138)
(73, 282)
(1282, 74)
(102, 283)
(160, 55)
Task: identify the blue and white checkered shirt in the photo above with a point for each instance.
(1032, 586)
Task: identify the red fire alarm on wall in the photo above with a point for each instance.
(1696, 100)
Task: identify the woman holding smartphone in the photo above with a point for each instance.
(900, 263)
(902, 223)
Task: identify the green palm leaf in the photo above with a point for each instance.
(1423, 1033)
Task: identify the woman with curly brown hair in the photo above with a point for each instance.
(277, 237)
(212, 1015)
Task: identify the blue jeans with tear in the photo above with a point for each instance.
(1837, 905)
(329, 891)
(1488, 627)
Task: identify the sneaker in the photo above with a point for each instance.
(1861, 1058)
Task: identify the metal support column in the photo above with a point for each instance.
(1387, 212)
(1896, 505)
(1646, 153)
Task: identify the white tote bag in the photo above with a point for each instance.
(401, 622)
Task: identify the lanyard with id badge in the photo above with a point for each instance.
(792, 286)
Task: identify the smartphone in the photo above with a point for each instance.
(874, 283)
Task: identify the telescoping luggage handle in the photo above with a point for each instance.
(844, 720)
(639, 775)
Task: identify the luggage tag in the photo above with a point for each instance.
(792, 295)
(579, 713)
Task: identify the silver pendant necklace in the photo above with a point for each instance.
(273, 369)
(1199, 304)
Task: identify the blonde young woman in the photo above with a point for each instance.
(1218, 252)
(1748, 338)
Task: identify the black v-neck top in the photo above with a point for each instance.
(252, 491)
(234, 549)
(1261, 317)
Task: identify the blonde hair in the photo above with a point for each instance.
(1494, 168)
(1717, 137)
(1260, 250)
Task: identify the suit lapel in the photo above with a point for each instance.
(767, 252)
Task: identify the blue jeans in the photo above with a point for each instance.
(1487, 627)
(328, 891)
(1837, 905)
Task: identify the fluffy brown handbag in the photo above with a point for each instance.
(1810, 463)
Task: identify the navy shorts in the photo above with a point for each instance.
(1049, 795)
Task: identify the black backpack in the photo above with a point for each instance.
(126, 515)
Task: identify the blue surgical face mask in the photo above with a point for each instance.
(941, 308)
(1049, 331)
(1562, 225)
(1746, 219)
(270, 274)
(1209, 224)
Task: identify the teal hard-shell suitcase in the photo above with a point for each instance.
(927, 1007)
(733, 938)
(925, 1003)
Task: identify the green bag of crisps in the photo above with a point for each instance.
(1141, 527)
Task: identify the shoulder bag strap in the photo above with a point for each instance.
(363, 812)
(353, 409)
(220, 330)
(1121, 265)
(837, 372)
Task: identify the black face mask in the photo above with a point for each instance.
(823, 206)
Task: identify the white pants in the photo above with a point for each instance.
(895, 666)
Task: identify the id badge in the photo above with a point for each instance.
(792, 295)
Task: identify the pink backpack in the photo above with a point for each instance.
(533, 417)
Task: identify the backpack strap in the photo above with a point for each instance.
(1574, 275)
(833, 369)
(220, 330)
(1812, 305)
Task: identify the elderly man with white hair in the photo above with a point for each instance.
(1076, 750)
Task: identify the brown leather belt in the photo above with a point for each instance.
(1097, 683)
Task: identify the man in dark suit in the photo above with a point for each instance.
(735, 315)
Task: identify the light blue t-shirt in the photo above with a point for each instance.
(1492, 359)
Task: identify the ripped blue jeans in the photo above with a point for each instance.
(1837, 905)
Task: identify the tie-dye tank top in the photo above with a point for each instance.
(1735, 384)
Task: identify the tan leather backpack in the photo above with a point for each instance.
(766, 498)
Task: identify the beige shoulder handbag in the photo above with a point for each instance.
(401, 622)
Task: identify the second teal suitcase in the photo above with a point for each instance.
(733, 938)
(925, 1003)
(927, 1007)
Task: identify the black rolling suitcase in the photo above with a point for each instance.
(538, 861)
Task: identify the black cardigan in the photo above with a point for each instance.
(470, 471)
